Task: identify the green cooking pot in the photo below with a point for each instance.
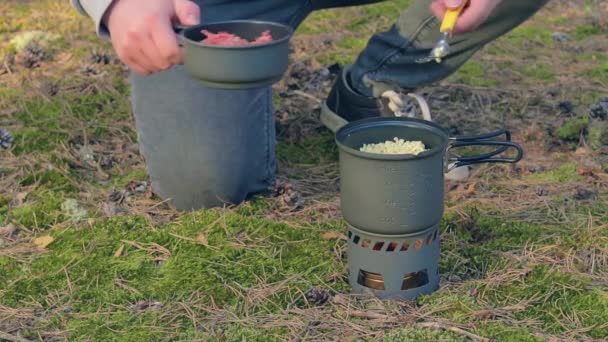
(236, 67)
(402, 194)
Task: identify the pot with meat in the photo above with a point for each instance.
(236, 54)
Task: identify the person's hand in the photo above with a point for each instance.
(142, 34)
(475, 14)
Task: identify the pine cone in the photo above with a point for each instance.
(565, 107)
(287, 194)
(32, 55)
(317, 296)
(50, 88)
(89, 70)
(101, 58)
(599, 110)
(6, 139)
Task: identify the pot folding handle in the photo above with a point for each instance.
(179, 33)
(484, 140)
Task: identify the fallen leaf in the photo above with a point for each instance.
(110, 209)
(145, 305)
(471, 189)
(44, 241)
(586, 172)
(581, 151)
(340, 299)
(19, 198)
(9, 232)
(333, 236)
(119, 251)
(202, 239)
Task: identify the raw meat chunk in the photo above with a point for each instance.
(229, 39)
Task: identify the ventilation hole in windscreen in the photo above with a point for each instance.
(378, 246)
(391, 247)
(370, 280)
(415, 280)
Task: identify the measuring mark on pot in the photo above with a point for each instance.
(401, 205)
(387, 219)
(388, 169)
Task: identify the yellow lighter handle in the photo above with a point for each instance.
(450, 18)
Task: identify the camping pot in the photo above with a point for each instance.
(402, 193)
(393, 266)
(236, 67)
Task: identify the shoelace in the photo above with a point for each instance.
(403, 105)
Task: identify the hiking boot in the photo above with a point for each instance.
(344, 104)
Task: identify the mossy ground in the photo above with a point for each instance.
(524, 247)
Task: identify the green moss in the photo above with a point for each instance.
(558, 298)
(352, 43)
(121, 180)
(33, 139)
(313, 150)
(238, 332)
(541, 72)
(499, 331)
(598, 135)
(572, 129)
(474, 73)
(327, 20)
(45, 124)
(556, 20)
(563, 174)
(12, 21)
(42, 211)
(50, 179)
(600, 72)
(40, 38)
(527, 32)
(5, 200)
(131, 326)
(458, 307)
(417, 334)
(340, 57)
(87, 256)
(586, 31)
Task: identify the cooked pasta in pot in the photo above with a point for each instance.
(396, 146)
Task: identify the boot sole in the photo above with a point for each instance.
(330, 119)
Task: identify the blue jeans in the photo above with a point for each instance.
(210, 147)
